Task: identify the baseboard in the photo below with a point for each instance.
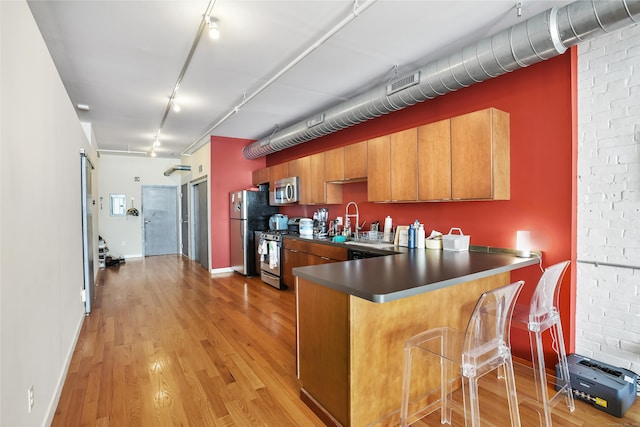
(53, 404)
(221, 270)
(318, 409)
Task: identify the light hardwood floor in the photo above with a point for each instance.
(169, 345)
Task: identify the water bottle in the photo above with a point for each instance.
(412, 237)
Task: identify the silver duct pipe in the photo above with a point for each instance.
(541, 37)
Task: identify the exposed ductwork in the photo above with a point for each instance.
(541, 37)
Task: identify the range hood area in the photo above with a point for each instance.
(541, 37)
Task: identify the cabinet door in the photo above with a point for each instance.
(434, 161)
(304, 180)
(277, 172)
(291, 258)
(260, 176)
(404, 165)
(334, 163)
(379, 169)
(355, 162)
(480, 155)
(317, 184)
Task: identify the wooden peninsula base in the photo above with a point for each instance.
(350, 350)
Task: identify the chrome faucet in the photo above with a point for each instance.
(347, 221)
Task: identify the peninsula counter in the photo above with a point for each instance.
(353, 318)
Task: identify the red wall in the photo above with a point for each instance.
(230, 171)
(541, 103)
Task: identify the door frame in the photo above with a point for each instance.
(192, 226)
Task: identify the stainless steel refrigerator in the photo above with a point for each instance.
(249, 212)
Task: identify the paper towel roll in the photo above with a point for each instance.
(387, 229)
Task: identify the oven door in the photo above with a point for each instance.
(270, 262)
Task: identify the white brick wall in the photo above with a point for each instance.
(608, 297)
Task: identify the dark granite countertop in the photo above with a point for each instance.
(410, 272)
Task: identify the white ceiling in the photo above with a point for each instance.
(124, 58)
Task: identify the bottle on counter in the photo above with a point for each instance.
(420, 237)
(387, 229)
(412, 236)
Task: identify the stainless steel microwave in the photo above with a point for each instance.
(284, 192)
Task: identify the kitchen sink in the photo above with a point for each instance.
(377, 245)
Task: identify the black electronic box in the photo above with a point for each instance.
(607, 387)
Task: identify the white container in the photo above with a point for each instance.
(455, 242)
(435, 243)
(305, 227)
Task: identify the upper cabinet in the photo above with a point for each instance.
(260, 176)
(480, 156)
(346, 164)
(434, 160)
(463, 158)
(392, 164)
(379, 167)
(314, 189)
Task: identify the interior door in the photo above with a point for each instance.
(87, 231)
(184, 218)
(201, 223)
(160, 219)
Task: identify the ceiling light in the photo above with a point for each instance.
(153, 153)
(212, 22)
(83, 107)
(156, 142)
(175, 106)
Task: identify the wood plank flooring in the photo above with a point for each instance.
(169, 345)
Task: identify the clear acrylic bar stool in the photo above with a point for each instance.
(462, 357)
(539, 316)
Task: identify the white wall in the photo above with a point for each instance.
(608, 297)
(40, 222)
(117, 175)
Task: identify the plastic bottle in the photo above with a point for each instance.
(420, 237)
(412, 236)
(387, 229)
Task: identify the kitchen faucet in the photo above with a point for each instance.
(347, 222)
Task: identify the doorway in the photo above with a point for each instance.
(160, 219)
(87, 230)
(184, 219)
(201, 223)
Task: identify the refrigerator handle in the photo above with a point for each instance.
(242, 231)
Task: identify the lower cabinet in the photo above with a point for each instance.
(299, 252)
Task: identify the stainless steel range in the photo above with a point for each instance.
(270, 252)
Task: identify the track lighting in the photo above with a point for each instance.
(212, 22)
(176, 108)
(156, 142)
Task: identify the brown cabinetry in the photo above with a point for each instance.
(480, 155)
(379, 167)
(299, 252)
(393, 165)
(260, 176)
(314, 189)
(434, 161)
(346, 164)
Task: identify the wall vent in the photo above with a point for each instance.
(315, 121)
(403, 83)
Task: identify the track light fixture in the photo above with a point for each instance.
(175, 106)
(212, 22)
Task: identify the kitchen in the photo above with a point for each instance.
(543, 183)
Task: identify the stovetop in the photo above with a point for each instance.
(277, 234)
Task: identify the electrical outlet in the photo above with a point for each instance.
(31, 399)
